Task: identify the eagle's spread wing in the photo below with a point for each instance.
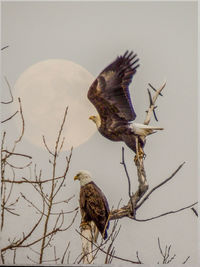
(94, 205)
(109, 93)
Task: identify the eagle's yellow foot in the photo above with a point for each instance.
(83, 224)
(139, 155)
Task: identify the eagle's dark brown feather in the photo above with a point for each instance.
(94, 207)
(109, 93)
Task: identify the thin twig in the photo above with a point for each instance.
(25, 180)
(45, 144)
(4, 47)
(128, 178)
(23, 124)
(17, 167)
(186, 260)
(63, 257)
(195, 211)
(10, 91)
(166, 213)
(154, 89)
(11, 188)
(9, 118)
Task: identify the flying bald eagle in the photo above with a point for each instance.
(93, 204)
(109, 93)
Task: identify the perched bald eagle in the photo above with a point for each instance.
(109, 93)
(93, 204)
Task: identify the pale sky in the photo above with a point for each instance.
(92, 34)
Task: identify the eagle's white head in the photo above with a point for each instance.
(84, 177)
(96, 120)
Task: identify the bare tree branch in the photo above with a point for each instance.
(152, 103)
(25, 180)
(63, 257)
(9, 118)
(128, 178)
(154, 89)
(4, 47)
(186, 260)
(16, 154)
(45, 144)
(166, 213)
(10, 91)
(195, 211)
(166, 255)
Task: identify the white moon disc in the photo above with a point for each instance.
(46, 89)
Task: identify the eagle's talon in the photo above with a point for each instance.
(83, 224)
(139, 155)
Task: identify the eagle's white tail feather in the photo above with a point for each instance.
(95, 231)
(144, 130)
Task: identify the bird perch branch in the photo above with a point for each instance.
(152, 102)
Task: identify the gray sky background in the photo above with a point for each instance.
(92, 34)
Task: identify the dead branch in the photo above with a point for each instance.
(9, 194)
(68, 159)
(166, 213)
(4, 47)
(18, 167)
(23, 125)
(63, 257)
(137, 254)
(155, 89)
(16, 154)
(128, 178)
(9, 118)
(166, 255)
(26, 181)
(195, 211)
(152, 102)
(46, 146)
(10, 91)
(186, 260)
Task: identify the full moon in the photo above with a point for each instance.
(46, 89)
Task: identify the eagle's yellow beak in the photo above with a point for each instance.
(91, 117)
(76, 178)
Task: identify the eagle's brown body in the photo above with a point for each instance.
(94, 207)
